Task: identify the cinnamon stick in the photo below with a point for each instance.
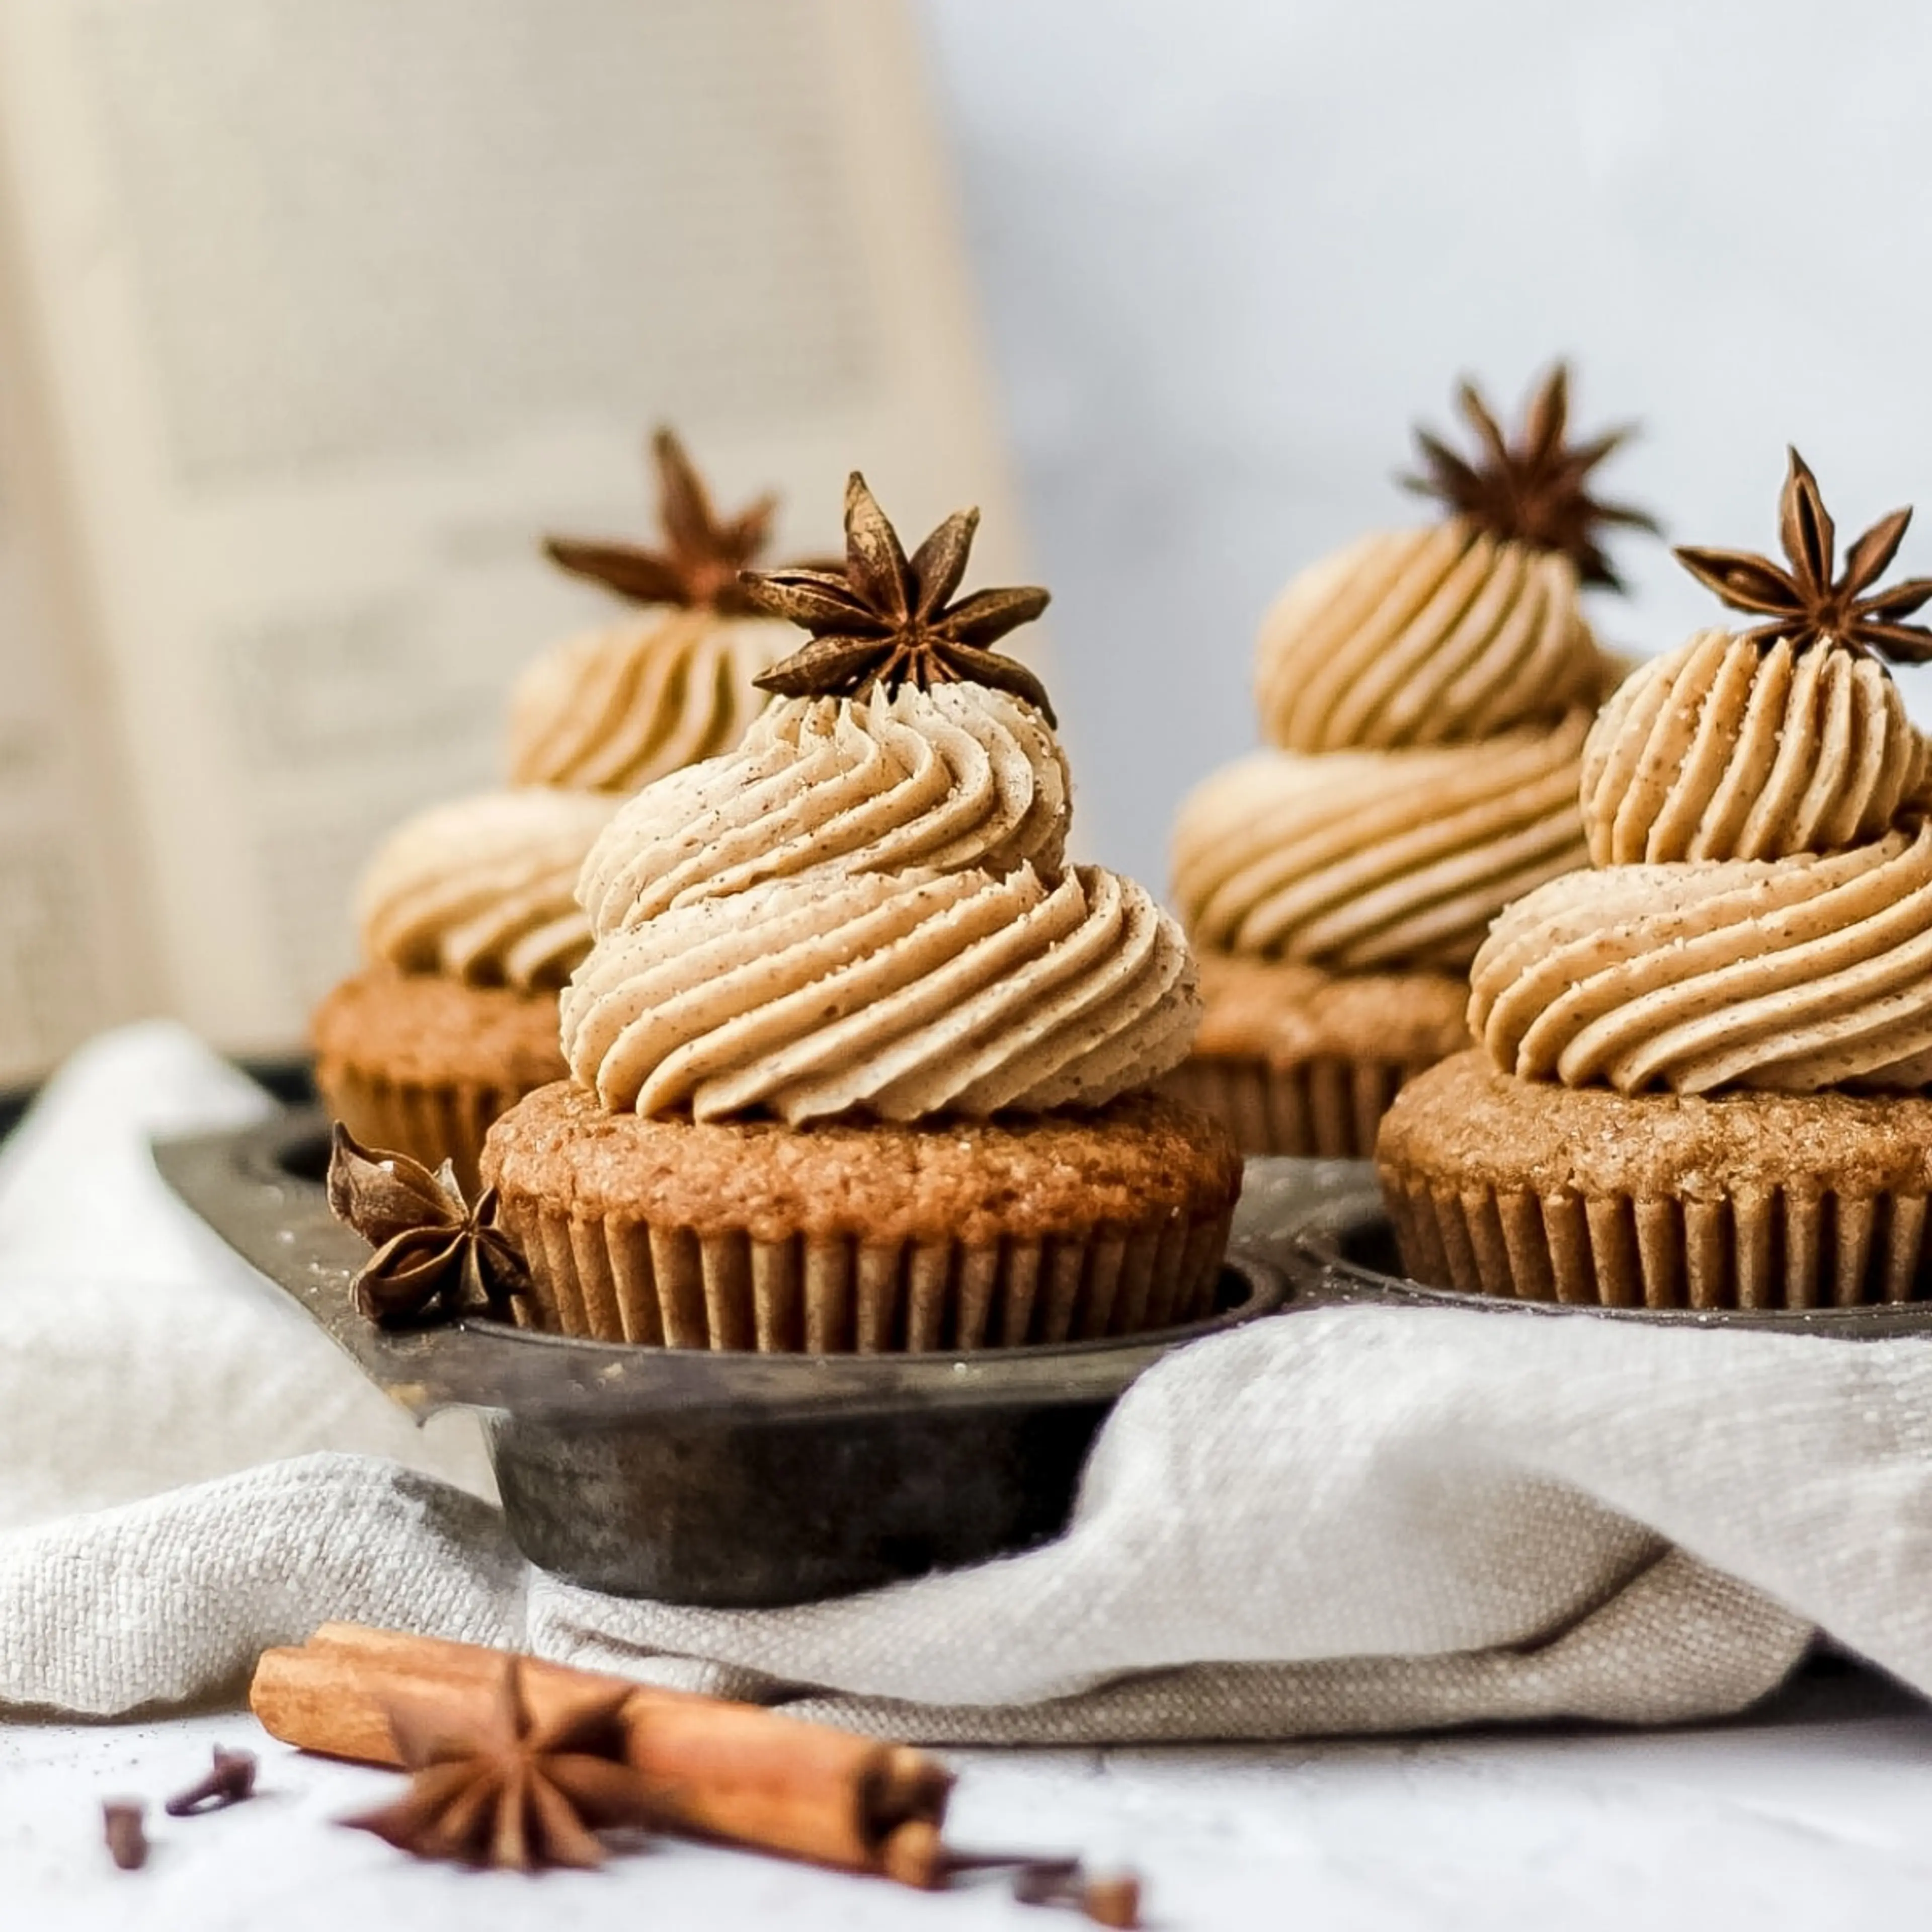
(720, 1769)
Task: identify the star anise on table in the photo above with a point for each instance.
(437, 1257)
(504, 1788)
(703, 553)
(1535, 491)
(885, 620)
(1805, 603)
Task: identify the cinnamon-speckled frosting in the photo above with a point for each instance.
(616, 709)
(1424, 637)
(1362, 860)
(1792, 973)
(865, 910)
(1730, 749)
(482, 889)
(959, 776)
(1777, 932)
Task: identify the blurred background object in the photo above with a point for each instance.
(1231, 250)
(311, 318)
(316, 318)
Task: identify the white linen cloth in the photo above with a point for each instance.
(1352, 1519)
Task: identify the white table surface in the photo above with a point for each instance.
(1816, 1814)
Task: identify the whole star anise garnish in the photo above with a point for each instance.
(1535, 491)
(885, 621)
(437, 1257)
(1804, 603)
(503, 1789)
(703, 554)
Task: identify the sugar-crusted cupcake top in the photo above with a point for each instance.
(1362, 860)
(617, 707)
(1763, 916)
(1461, 630)
(865, 910)
(482, 889)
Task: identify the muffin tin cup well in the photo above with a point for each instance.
(709, 1476)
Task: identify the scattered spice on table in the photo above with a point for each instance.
(127, 1838)
(230, 1780)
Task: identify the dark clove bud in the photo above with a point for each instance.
(1113, 1899)
(121, 1825)
(231, 1780)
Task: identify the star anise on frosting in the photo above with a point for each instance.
(1535, 491)
(1806, 604)
(437, 1257)
(703, 553)
(503, 1787)
(887, 620)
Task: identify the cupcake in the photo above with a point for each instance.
(469, 924)
(672, 683)
(1701, 1061)
(1425, 695)
(858, 1060)
(468, 921)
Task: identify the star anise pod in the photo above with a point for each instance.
(503, 1789)
(1537, 490)
(1805, 603)
(884, 620)
(436, 1257)
(703, 554)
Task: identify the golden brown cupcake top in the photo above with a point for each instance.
(973, 1182)
(1463, 630)
(865, 911)
(1785, 941)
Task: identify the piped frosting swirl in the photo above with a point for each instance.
(1792, 973)
(616, 708)
(865, 909)
(1730, 749)
(482, 889)
(1423, 637)
(1358, 861)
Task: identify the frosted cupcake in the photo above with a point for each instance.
(1702, 1062)
(859, 1060)
(1425, 695)
(673, 683)
(469, 924)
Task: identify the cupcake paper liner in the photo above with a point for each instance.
(628, 1281)
(1328, 1106)
(1761, 1248)
(431, 1124)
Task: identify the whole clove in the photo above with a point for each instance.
(231, 1779)
(1111, 1899)
(121, 1826)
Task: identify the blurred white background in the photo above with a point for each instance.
(1230, 249)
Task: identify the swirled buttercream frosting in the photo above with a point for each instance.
(1361, 860)
(1728, 748)
(621, 706)
(1423, 637)
(957, 777)
(1792, 973)
(865, 910)
(482, 889)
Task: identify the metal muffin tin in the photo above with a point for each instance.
(699, 1476)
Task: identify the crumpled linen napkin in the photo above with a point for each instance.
(1365, 1519)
